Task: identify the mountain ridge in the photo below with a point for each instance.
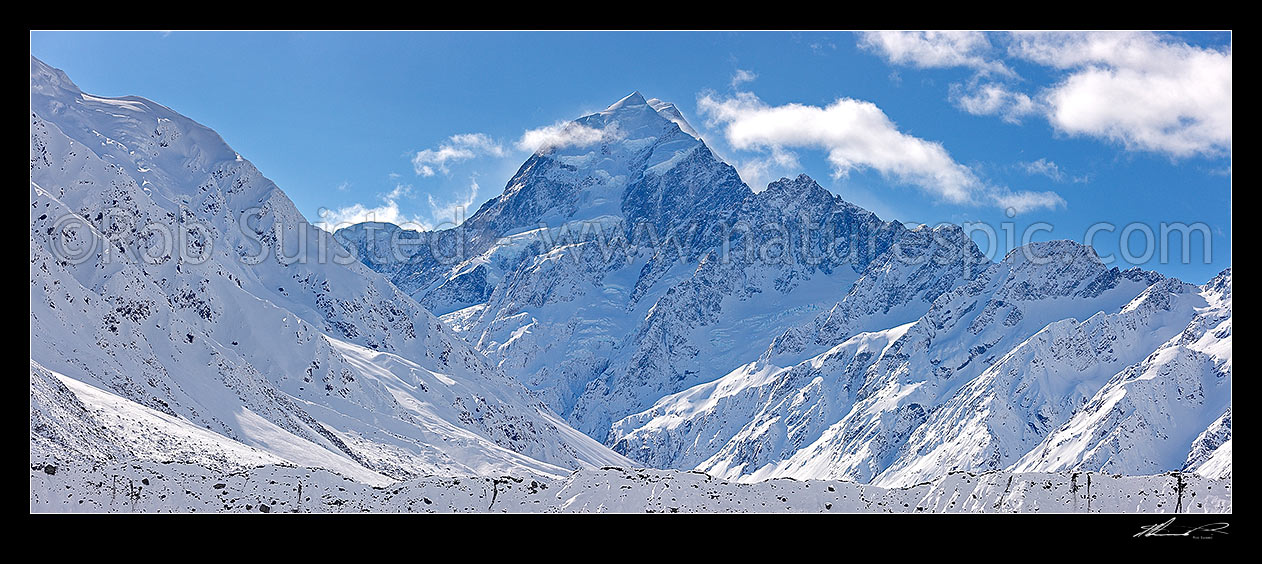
(203, 294)
(698, 299)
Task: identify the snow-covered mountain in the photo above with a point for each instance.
(626, 301)
(178, 292)
(1171, 409)
(982, 382)
(614, 271)
(661, 306)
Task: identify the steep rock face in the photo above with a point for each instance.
(630, 167)
(896, 288)
(166, 270)
(596, 166)
(800, 248)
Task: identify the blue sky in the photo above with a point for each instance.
(1067, 130)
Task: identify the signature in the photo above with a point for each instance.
(1198, 532)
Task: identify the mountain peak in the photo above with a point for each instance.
(1064, 250)
(636, 101)
(801, 188)
(672, 113)
(49, 80)
(632, 99)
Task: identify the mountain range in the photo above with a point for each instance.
(627, 301)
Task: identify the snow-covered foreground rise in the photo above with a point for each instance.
(183, 310)
(150, 487)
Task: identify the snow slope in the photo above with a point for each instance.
(149, 487)
(1171, 408)
(168, 272)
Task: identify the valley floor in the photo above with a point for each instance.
(58, 486)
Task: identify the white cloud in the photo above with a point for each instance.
(1021, 202)
(1141, 90)
(344, 186)
(399, 191)
(442, 214)
(741, 76)
(819, 46)
(934, 49)
(563, 134)
(856, 135)
(1043, 167)
(993, 99)
(456, 148)
(758, 172)
(1051, 170)
(387, 212)
(451, 214)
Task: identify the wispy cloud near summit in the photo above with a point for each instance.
(456, 148)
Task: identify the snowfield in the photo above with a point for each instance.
(183, 488)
